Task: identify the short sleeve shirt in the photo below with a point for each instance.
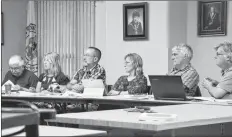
(190, 79)
(97, 72)
(135, 86)
(27, 79)
(226, 81)
(60, 79)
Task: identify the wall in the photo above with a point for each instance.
(204, 53)
(14, 30)
(153, 51)
(165, 20)
(177, 16)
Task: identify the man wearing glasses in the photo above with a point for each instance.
(223, 58)
(90, 70)
(22, 78)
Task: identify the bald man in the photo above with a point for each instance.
(19, 76)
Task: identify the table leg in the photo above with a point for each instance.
(32, 130)
(173, 133)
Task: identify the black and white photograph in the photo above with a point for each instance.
(135, 21)
(212, 18)
(101, 68)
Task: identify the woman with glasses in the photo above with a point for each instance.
(133, 83)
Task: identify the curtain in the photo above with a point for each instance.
(31, 54)
(67, 28)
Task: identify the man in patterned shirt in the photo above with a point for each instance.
(181, 56)
(91, 70)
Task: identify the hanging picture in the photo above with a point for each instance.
(135, 24)
(212, 18)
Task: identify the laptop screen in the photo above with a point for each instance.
(167, 87)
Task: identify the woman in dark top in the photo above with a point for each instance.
(52, 76)
(135, 82)
(53, 73)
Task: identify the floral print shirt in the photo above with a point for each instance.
(136, 86)
(97, 72)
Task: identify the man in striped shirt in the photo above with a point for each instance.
(181, 56)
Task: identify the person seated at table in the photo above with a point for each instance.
(223, 88)
(22, 78)
(53, 75)
(91, 70)
(133, 83)
(181, 56)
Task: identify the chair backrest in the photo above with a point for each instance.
(198, 92)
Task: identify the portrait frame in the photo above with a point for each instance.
(135, 21)
(212, 18)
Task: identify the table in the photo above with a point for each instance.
(64, 132)
(188, 115)
(29, 119)
(113, 100)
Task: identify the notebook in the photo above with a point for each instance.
(93, 88)
(167, 87)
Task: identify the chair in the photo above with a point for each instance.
(198, 92)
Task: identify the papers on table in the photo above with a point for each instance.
(160, 117)
(71, 93)
(211, 99)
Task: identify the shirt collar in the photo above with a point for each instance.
(91, 68)
(226, 71)
(186, 67)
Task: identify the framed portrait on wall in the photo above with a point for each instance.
(212, 18)
(135, 24)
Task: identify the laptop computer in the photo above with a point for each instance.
(167, 87)
(93, 88)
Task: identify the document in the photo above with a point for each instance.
(211, 99)
(93, 92)
(160, 117)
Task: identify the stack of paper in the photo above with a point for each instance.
(161, 117)
(71, 93)
(211, 99)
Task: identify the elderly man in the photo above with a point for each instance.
(223, 58)
(22, 78)
(91, 70)
(181, 56)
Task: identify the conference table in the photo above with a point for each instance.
(18, 117)
(123, 100)
(189, 119)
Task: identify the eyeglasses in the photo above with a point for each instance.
(86, 55)
(218, 54)
(15, 68)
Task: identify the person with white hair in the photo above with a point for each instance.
(181, 56)
(223, 58)
(22, 78)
